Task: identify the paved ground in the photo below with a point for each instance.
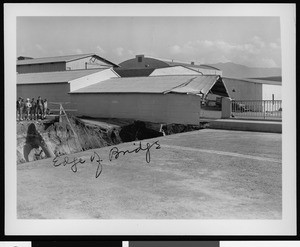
(247, 125)
(205, 174)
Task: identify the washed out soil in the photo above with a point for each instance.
(49, 138)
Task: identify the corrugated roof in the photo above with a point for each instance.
(54, 77)
(56, 59)
(158, 84)
(199, 84)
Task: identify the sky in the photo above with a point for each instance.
(250, 41)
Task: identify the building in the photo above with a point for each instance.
(254, 88)
(141, 72)
(158, 99)
(142, 62)
(271, 87)
(62, 63)
(55, 86)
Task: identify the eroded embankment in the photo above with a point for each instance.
(42, 139)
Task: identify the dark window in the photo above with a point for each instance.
(140, 59)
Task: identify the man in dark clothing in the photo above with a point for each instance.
(20, 108)
(39, 108)
(33, 109)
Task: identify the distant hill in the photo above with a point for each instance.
(234, 70)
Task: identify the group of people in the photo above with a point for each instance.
(31, 109)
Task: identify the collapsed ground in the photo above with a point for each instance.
(49, 138)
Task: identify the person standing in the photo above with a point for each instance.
(45, 108)
(39, 108)
(33, 109)
(20, 108)
(27, 109)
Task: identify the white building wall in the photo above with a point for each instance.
(269, 89)
(53, 92)
(92, 79)
(36, 68)
(159, 108)
(243, 90)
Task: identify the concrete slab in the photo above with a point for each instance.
(247, 125)
(205, 174)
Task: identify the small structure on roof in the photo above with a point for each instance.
(160, 99)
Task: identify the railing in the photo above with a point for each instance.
(55, 107)
(259, 109)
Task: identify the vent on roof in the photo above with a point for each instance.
(140, 58)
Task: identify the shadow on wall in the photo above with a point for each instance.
(34, 140)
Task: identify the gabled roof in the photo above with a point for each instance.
(257, 80)
(274, 80)
(54, 77)
(191, 84)
(58, 59)
(269, 78)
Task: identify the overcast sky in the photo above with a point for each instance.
(251, 41)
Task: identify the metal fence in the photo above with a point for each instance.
(259, 109)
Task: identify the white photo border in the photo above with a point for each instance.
(285, 226)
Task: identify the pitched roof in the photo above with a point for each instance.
(200, 83)
(274, 80)
(54, 77)
(269, 78)
(192, 84)
(58, 59)
(175, 70)
(257, 80)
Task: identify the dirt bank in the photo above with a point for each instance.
(49, 138)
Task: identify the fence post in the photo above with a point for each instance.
(60, 112)
(264, 109)
(226, 107)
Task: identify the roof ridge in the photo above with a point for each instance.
(62, 71)
(181, 85)
(85, 54)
